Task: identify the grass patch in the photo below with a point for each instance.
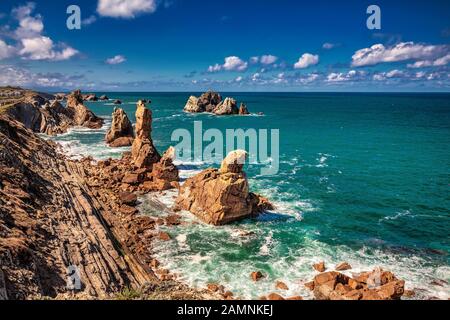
(128, 294)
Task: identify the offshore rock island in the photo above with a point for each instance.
(56, 212)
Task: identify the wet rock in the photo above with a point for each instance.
(220, 196)
(227, 107)
(343, 266)
(256, 276)
(274, 296)
(281, 285)
(192, 105)
(164, 236)
(117, 102)
(104, 97)
(320, 266)
(243, 109)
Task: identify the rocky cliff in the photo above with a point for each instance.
(212, 102)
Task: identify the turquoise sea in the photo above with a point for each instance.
(363, 178)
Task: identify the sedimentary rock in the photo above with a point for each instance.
(227, 107)
(90, 97)
(192, 105)
(212, 102)
(104, 97)
(221, 196)
(243, 109)
(320, 266)
(343, 266)
(375, 285)
(81, 115)
(121, 132)
(144, 153)
(44, 113)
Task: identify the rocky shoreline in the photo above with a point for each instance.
(56, 212)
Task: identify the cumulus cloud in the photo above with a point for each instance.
(442, 61)
(340, 76)
(89, 20)
(232, 63)
(31, 43)
(125, 8)
(118, 59)
(403, 51)
(42, 48)
(306, 60)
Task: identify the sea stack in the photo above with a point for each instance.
(221, 196)
(81, 114)
(121, 132)
(143, 152)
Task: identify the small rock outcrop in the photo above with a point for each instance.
(82, 116)
(221, 196)
(90, 97)
(143, 152)
(374, 285)
(227, 107)
(121, 132)
(243, 110)
(103, 98)
(212, 102)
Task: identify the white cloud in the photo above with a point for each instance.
(42, 48)
(328, 45)
(268, 59)
(118, 59)
(232, 63)
(238, 79)
(442, 61)
(254, 60)
(306, 60)
(125, 8)
(403, 51)
(339, 77)
(89, 20)
(6, 50)
(309, 78)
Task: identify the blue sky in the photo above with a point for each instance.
(252, 45)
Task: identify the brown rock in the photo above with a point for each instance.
(409, 293)
(127, 210)
(164, 236)
(143, 152)
(310, 285)
(132, 178)
(128, 198)
(228, 295)
(214, 287)
(281, 285)
(121, 128)
(80, 113)
(165, 169)
(227, 107)
(243, 109)
(320, 266)
(295, 298)
(343, 266)
(154, 263)
(219, 196)
(256, 276)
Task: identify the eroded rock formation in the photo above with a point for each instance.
(143, 152)
(81, 115)
(221, 196)
(212, 102)
(121, 132)
(374, 285)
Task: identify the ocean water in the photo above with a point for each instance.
(363, 178)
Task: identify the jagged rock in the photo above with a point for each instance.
(90, 97)
(243, 109)
(274, 296)
(343, 266)
(320, 266)
(143, 152)
(121, 128)
(220, 196)
(374, 285)
(227, 107)
(209, 101)
(104, 97)
(192, 105)
(165, 170)
(117, 101)
(281, 285)
(81, 114)
(256, 275)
